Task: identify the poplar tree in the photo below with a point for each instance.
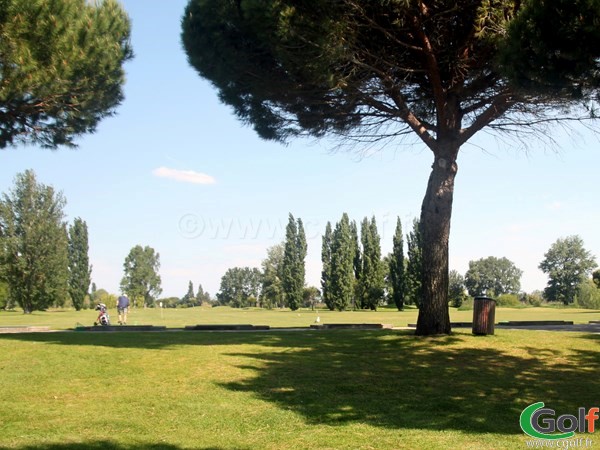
(378, 287)
(272, 289)
(33, 244)
(357, 265)
(189, 297)
(61, 66)
(372, 275)
(80, 270)
(326, 271)
(414, 268)
(396, 267)
(293, 264)
(342, 265)
(202, 296)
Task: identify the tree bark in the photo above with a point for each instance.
(436, 213)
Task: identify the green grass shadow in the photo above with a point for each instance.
(406, 382)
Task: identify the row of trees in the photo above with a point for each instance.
(44, 261)
(190, 299)
(282, 280)
(382, 70)
(354, 275)
(567, 263)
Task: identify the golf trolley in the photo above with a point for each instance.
(103, 318)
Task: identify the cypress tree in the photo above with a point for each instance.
(80, 270)
(396, 265)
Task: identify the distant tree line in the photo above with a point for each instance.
(570, 278)
(44, 261)
(281, 281)
(354, 274)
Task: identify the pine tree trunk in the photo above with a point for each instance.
(436, 213)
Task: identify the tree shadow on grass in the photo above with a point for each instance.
(386, 378)
(402, 381)
(105, 445)
(160, 340)
(143, 340)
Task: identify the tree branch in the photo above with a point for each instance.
(501, 104)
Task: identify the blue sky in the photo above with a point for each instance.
(232, 192)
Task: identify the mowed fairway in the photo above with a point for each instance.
(68, 319)
(287, 389)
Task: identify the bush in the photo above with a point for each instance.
(508, 301)
(588, 295)
(534, 299)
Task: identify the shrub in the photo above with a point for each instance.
(508, 301)
(534, 299)
(588, 295)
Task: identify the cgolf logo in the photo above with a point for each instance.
(540, 422)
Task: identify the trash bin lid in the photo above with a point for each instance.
(483, 297)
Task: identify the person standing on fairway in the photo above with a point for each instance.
(122, 307)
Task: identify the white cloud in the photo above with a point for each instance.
(185, 176)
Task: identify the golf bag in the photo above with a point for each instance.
(103, 318)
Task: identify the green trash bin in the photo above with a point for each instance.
(484, 314)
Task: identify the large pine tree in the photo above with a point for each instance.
(80, 270)
(61, 66)
(367, 71)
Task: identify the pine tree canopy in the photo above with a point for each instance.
(61, 66)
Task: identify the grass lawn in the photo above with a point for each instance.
(65, 319)
(287, 390)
